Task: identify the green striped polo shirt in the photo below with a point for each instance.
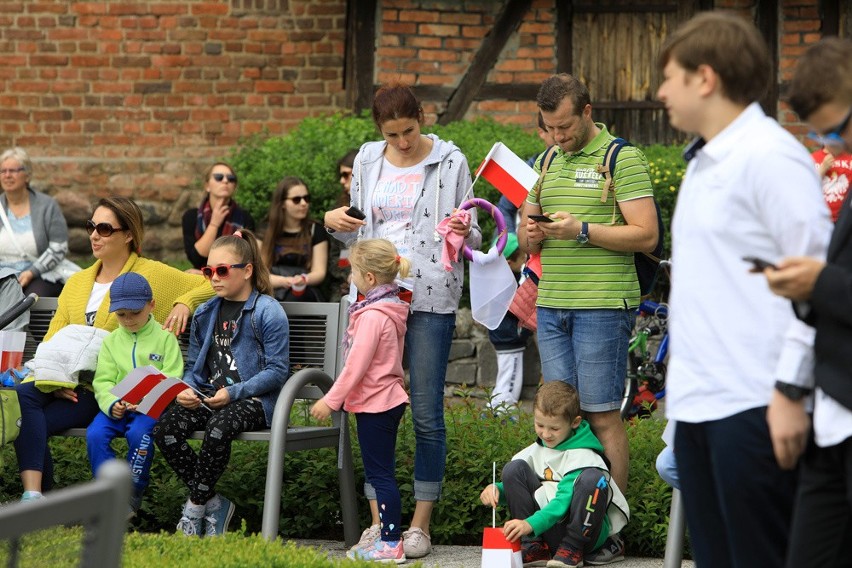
(576, 276)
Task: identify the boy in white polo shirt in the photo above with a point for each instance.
(740, 362)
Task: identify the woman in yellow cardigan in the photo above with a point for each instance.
(116, 230)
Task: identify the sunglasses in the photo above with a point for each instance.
(346, 175)
(230, 177)
(834, 135)
(298, 199)
(103, 229)
(221, 270)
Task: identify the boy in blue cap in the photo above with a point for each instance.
(509, 341)
(138, 341)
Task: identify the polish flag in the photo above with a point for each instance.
(148, 386)
(508, 173)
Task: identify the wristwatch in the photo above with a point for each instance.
(583, 235)
(793, 392)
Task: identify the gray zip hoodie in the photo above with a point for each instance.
(446, 183)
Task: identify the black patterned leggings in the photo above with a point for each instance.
(201, 472)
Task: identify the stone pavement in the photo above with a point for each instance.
(467, 556)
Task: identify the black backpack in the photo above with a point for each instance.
(647, 263)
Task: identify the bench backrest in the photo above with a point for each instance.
(314, 331)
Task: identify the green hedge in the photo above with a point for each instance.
(310, 500)
(311, 151)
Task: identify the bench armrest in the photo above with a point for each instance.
(296, 388)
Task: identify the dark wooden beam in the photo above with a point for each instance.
(704, 5)
(520, 92)
(359, 62)
(767, 23)
(830, 16)
(595, 8)
(564, 36)
(486, 56)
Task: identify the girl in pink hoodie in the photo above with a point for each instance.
(371, 384)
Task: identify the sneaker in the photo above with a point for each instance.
(535, 553)
(380, 551)
(31, 496)
(370, 535)
(611, 551)
(416, 542)
(190, 526)
(217, 518)
(566, 557)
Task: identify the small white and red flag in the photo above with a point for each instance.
(508, 173)
(150, 389)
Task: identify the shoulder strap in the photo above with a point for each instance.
(12, 236)
(546, 159)
(607, 168)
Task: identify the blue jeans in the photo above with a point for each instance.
(43, 415)
(377, 437)
(588, 350)
(136, 428)
(427, 343)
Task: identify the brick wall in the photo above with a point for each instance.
(138, 97)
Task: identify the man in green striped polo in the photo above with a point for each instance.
(588, 289)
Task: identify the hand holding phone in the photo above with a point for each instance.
(540, 218)
(758, 264)
(356, 213)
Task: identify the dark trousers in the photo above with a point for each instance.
(44, 415)
(201, 472)
(377, 438)
(822, 523)
(738, 501)
(581, 526)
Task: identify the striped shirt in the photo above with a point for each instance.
(576, 276)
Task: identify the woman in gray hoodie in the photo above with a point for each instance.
(405, 185)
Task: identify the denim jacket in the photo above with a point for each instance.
(261, 352)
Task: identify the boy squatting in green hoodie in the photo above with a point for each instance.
(558, 489)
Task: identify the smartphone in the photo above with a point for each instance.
(758, 264)
(356, 213)
(540, 218)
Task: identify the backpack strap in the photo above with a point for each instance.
(546, 159)
(607, 168)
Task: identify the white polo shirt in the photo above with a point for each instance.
(751, 191)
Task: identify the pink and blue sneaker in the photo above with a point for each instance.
(379, 551)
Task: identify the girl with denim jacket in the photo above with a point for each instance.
(406, 185)
(237, 362)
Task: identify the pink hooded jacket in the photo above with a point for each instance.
(372, 378)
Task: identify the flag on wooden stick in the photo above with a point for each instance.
(508, 173)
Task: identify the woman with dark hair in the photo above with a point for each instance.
(405, 185)
(115, 231)
(294, 247)
(217, 215)
(338, 265)
(38, 240)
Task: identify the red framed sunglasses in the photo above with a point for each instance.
(221, 270)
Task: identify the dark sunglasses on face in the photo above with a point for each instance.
(230, 177)
(103, 229)
(298, 199)
(346, 175)
(221, 270)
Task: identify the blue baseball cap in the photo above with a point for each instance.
(130, 291)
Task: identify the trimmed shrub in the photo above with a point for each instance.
(310, 499)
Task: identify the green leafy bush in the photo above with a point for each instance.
(310, 499)
(312, 149)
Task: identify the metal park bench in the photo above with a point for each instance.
(315, 331)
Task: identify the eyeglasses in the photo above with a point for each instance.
(103, 229)
(12, 171)
(834, 135)
(346, 175)
(221, 270)
(230, 177)
(298, 199)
